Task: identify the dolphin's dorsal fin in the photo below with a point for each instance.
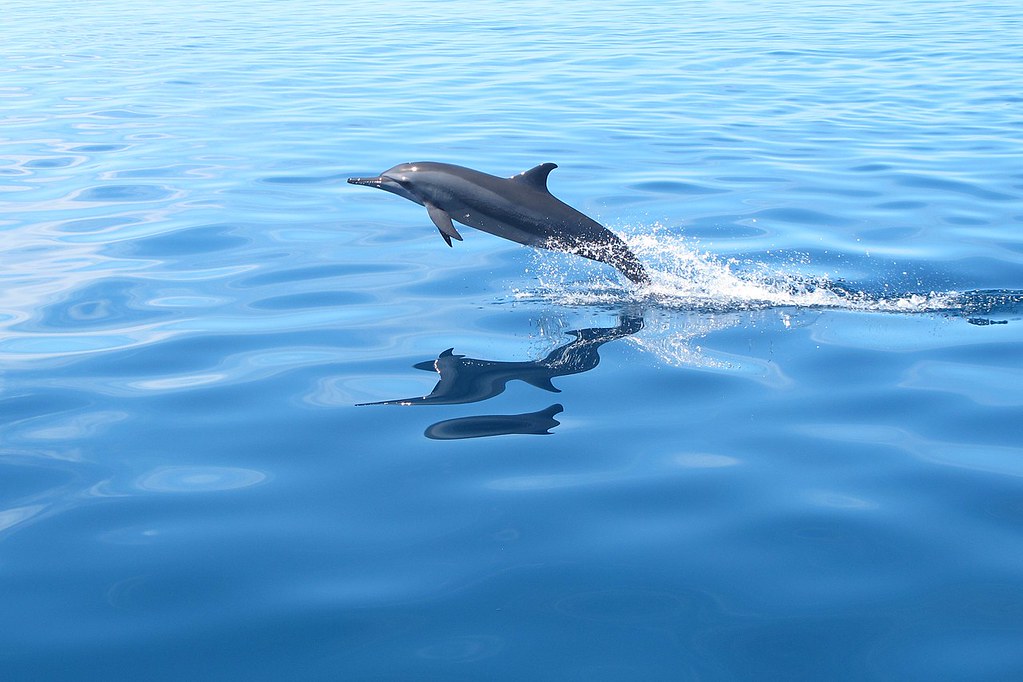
(442, 220)
(536, 177)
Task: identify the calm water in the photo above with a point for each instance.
(799, 457)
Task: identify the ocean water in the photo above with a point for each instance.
(797, 455)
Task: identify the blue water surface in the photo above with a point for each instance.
(797, 455)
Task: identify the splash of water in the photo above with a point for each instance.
(686, 278)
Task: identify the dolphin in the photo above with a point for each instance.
(519, 208)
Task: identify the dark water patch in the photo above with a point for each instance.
(15, 408)
(121, 113)
(726, 157)
(748, 179)
(175, 356)
(25, 478)
(460, 649)
(623, 199)
(625, 605)
(902, 205)
(802, 216)
(1009, 99)
(125, 193)
(965, 220)
(98, 148)
(718, 230)
(315, 272)
(890, 234)
(107, 303)
(202, 239)
(95, 224)
(164, 172)
(314, 299)
(871, 167)
(840, 192)
(56, 162)
(298, 179)
(205, 352)
(955, 186)
(675, 187)
(148, 136)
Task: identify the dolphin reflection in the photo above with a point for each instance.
(539, 423)
(470, 380)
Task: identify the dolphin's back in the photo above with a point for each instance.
(522, 209)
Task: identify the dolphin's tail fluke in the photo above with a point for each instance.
(615, 253)
(629, 265)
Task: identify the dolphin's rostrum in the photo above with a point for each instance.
(520, 208)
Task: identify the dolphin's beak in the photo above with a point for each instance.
(388, 185)
(369, 182)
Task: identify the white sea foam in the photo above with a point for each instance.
(684, 277)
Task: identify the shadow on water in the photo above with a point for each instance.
(471, 380)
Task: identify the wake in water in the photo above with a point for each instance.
(685, 278)
(694, 295)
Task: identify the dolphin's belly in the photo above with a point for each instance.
(538, 220)
(507, 223)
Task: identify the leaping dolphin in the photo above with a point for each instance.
(520, 208)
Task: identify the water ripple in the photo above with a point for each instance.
(198, 479)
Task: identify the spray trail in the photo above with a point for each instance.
(685, 278)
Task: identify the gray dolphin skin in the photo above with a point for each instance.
(520, 208)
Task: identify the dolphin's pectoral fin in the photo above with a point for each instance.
(442, 220)
(536, 177)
